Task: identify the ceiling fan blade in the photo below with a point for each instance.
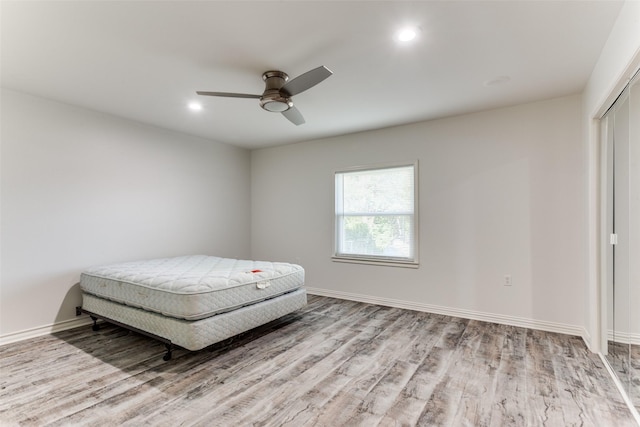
(294, 116)
(306, 81)
(229, 94)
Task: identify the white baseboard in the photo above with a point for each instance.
(429, 308)
(624, 337)
(45, 330)
(456, 312)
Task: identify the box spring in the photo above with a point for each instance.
(197, 334)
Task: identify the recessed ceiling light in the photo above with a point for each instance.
(407, 34)
(195, 106)
(497, 81)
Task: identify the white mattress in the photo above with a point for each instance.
(195, 335)
(192, 287)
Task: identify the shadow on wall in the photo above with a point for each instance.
(67, 309)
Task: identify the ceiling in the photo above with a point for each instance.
(144, 60)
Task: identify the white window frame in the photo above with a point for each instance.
(374, 259)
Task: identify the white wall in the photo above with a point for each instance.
(501, 192)
(81, 188)
(619, 58)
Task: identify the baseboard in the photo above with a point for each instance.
(429, 308)
(45, 330)
(455, 312)
(624, 337)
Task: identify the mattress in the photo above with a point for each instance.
(196, 335)
(191, 287)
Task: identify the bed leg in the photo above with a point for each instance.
(169, 347)
(95, 326)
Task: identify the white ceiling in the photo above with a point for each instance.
(144, 60)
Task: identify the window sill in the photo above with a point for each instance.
(382, 263)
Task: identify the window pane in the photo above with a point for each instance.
(386, 236)
(375, 213)
(379, 191)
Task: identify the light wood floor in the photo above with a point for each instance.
(625, 361)
(333, 363)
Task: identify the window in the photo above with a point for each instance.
(375, 215)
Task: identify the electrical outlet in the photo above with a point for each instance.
(507, 280)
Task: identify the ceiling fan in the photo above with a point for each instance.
(279, 90)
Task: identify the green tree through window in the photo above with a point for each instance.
(375, 213)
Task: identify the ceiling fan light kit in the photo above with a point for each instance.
(276, 104)
(279, 90)
(272, 99)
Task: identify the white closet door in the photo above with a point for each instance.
(634, 240)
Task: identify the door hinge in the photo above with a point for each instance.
(613, 239)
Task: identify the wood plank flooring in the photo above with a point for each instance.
(333, 363)
(624, 359)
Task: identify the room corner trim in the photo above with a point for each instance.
(588, 340)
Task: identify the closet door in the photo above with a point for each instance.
(620, 351)
(634, 241)
(621, 133)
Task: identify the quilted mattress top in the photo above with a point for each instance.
(192, 287)
(193, 274)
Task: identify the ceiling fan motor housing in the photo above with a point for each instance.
(272, 99)
(279, 90)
